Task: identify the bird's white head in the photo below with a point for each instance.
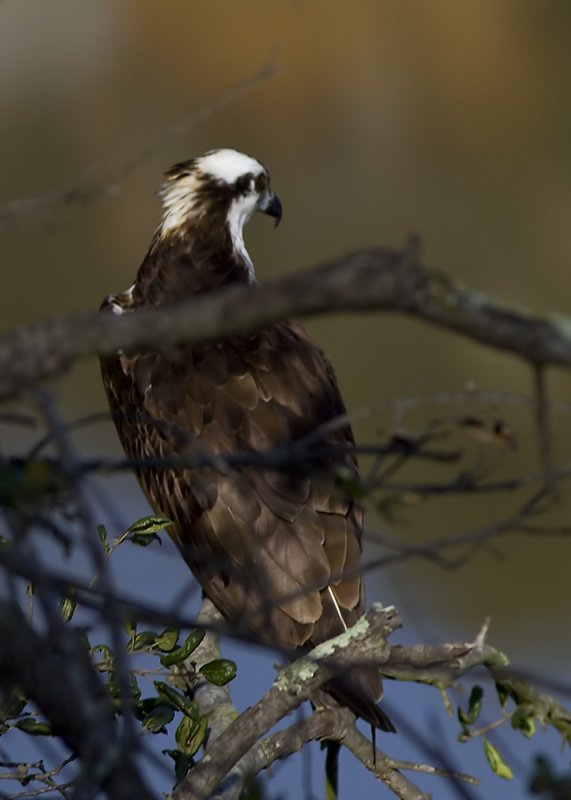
(221, 187)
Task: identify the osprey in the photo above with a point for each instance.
(278, 552)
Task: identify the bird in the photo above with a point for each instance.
(278, 551)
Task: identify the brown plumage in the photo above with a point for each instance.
(278, 552)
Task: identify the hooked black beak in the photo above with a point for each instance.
(273, 207)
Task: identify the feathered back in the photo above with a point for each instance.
(277, 551)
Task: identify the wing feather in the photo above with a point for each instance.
(279, 539)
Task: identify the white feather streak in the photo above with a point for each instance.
(336, 604)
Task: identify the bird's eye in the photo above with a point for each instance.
(245, 184)
(262, 182)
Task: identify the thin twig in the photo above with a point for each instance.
(25, 210)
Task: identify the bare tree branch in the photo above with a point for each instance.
(236, 749)
(64, 685)
(381, 766)
(382, 280)
(295, 683)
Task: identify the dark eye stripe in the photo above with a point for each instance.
(261, 182)
(244, 183)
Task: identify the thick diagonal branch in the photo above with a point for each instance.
(295, 683)
(381, 280)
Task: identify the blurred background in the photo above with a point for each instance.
(376, 120)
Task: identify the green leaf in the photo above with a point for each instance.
(389, 507)
(503, 695)
(182, 763)
(523, 720)
(176, 699)
(197, 740)
(185, 732)
(496, 762)
(166, 641)
(220, 671)
(144, 539)
(156, 720)
(143, 640)
(462, 718)
(67, 608)
(348, 480)
(144, 531)
(102, 531)
(106, 662)
(475, 704)
(151, 524)
(14, 703)
(134, 686)
(190, 734)
(190, 644)
(114, 690)
(33, 727)
(144, 707)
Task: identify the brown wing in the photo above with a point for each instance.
(278, 552)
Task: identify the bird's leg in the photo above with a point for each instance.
(332, 770)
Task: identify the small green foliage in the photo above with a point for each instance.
(106, 662)
(157, 719)
(144, 531)
(102, 531)
(146, 706)
(13, 704)
(462, 718)
(389, 506)
(523, 720)
(167, 640)
(182, 763)
(496, 762)
(175, 699)
(190, 734)
(348, 481)
(190, 644)
(130, 628)
(469, 717)
(475, 704)
(114, 691)
(219, 672)
(33, 727)
(28, 483)
(67, 609)
(146, 640)
(134, 687)
(143, 641)
(144, 539)
(503, 696)
(150, 524)
(186, 729)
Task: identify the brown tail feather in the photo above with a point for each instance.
(354, 692)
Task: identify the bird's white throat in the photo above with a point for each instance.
(182, 205)
(240, 212)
